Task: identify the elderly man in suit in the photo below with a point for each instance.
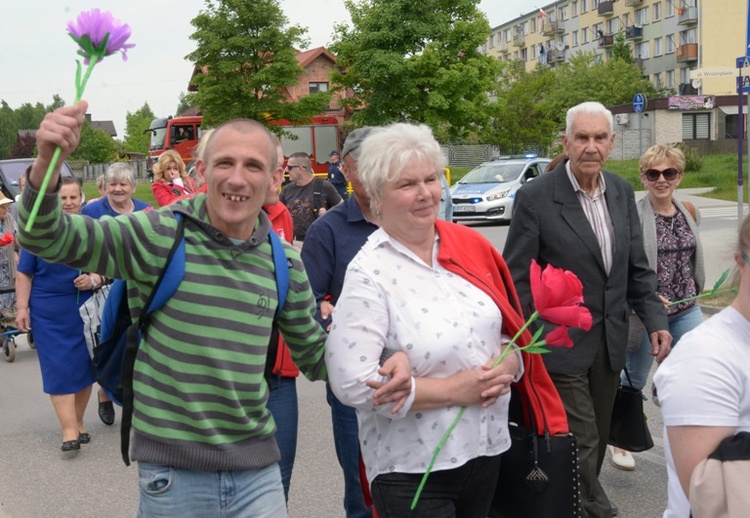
(584, 219)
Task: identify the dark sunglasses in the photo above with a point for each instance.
(652, 175)
(290, 167)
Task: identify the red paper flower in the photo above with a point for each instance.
(558, 295)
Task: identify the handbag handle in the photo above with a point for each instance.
(627, 375)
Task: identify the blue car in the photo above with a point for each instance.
(487, 192)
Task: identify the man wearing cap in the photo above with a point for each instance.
(331, 243)
(335, 176)
(306, 196)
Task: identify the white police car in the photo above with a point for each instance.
(487, 192)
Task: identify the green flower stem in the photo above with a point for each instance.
(56, 156)
(455, 421)
(702, 295)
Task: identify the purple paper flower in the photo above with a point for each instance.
(99, 34)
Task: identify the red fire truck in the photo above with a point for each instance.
(317, 138)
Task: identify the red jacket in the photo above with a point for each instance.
(281, 223)
(166, 192)
(467, 253)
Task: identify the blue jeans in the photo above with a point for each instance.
(639, 362)
(170, 491)
(346, 440)
(282, 403)
(465, 491)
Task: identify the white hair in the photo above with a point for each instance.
(587, 108)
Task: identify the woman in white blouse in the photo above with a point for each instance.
(441, 293)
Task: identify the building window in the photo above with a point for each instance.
(323, 87)
(657, 47)
(670, 9)
(574, 9)
(641, 16)
(584, 6)
(657, 80)
(507, 36)
(696, 126)
(585, 35)
(492, 41)
(563, 14)
(641, 50)
(594, 4)
(688, 36)
(515, 55)
(575, 38)
(657, 11)
(670, 78)
(684, 75)
(670, 44)
(524, 55)
(613, 26)
(533, 25)
(532, 54)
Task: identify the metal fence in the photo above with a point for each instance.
(468, 155)
(89, 172)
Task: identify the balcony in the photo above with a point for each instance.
(634, 33)
(606, 41)
(551, 27)
(631, 3)
(687, 89)
(605, 9)
(518, 40)
(687, 15)
(555, 56)
(502, 47)
(687, 52)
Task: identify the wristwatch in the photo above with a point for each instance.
(94, 284)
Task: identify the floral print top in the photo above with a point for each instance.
(675, 243)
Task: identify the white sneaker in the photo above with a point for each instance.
(621, 459)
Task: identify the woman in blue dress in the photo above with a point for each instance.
(48, 297)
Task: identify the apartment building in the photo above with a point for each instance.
(687, 46)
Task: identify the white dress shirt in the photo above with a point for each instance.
(392, 299)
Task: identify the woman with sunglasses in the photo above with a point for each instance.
(674, 251)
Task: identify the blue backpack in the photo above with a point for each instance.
(119, 338)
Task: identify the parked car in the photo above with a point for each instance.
(11, 171)
(487, 192)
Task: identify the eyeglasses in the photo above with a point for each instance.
(290, 167)
(652, 175)
(746, 258)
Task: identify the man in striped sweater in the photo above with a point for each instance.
(203, 437)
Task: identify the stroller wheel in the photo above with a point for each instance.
(9, 349)
(30, 340)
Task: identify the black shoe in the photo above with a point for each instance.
(613, 508)
(107, 412)
(84, 438)
(71, 445)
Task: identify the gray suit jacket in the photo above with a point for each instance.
(550, 226)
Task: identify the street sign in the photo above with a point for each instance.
(639, 103)
(743, 62)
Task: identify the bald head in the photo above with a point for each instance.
(245, 126)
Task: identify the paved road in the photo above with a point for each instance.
(35, 482)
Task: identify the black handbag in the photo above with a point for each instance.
(628, 429)
(538, 476)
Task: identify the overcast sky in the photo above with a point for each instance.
(38, 56)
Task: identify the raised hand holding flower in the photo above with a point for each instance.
(558, 295)
(98, 35)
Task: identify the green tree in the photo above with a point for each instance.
(520, 121)
(182, 105)
(622, 49)
(418, 62)
(248, 52)
(96, 146)
(57, 102)
(583, 78)
(135, 124)
(8, 129)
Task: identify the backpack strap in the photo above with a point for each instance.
(690, 206)
(281, 272)
(317, 195)
(172, 274)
